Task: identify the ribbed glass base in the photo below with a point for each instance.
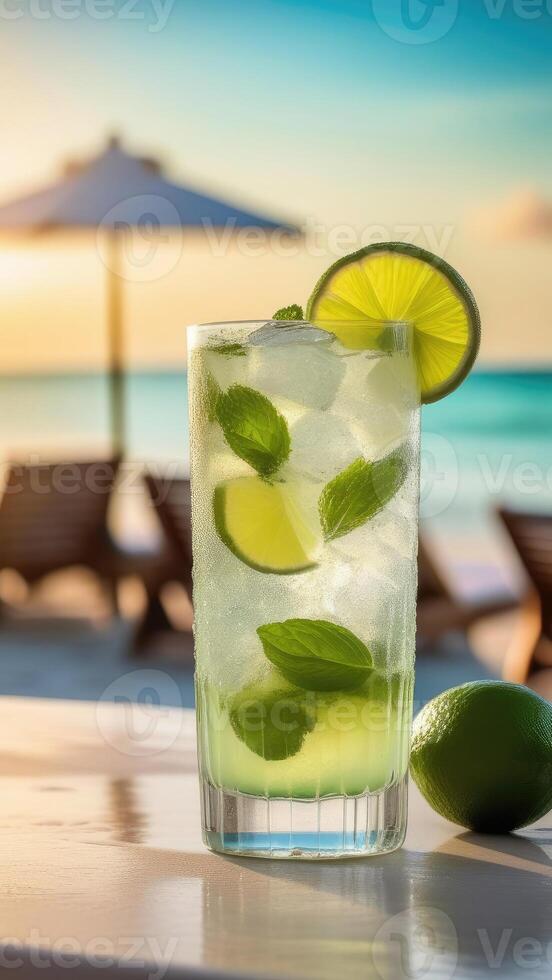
(328, 828)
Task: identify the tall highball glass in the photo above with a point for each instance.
(305, 486)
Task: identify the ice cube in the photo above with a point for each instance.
(378, 605)
(302, 372)
(281, 333)
(392, 381)
(227, 366)
(313, 595)
(397, 533)
(322, 445)
(223, 464)
(391, 532)
(377, 400)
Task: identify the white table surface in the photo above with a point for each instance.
(104, 872)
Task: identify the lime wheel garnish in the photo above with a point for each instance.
(395, 281)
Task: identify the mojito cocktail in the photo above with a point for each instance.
(305, 470)
(305, 465)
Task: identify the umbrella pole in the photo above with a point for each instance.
(116, 344)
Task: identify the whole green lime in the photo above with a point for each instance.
(482, 755)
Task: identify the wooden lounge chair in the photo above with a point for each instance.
(529, 656)
(440, 608)
(53, 516)
(172, 502)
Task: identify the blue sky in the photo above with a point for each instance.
(307, 107)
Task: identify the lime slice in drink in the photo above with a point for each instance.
(397, 281)
(267, 526)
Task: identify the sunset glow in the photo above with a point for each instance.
(387, 141)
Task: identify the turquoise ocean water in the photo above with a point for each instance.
(488, 443)
(499, 428)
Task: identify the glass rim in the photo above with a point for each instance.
(389, 336)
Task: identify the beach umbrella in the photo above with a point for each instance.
(113, 193)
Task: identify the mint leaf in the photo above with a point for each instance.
(273, 723)
(293, 312)
(359, 492)
(230, 350)
(253, 428)
(315, 654)
(211, 394)
(207, 388)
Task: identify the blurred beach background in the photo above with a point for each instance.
(336, 117)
